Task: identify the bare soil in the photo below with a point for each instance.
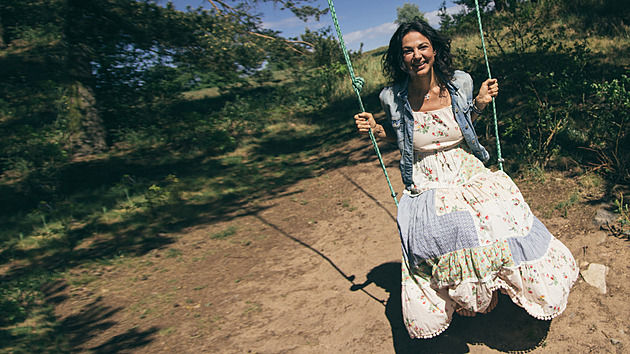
(315, 268)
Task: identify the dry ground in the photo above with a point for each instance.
(316, 269)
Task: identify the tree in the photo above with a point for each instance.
(470, 4)
(408, 12)
(91, 61)
(446, 20)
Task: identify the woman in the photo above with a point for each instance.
(466, 231)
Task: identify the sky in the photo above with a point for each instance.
(370, 22)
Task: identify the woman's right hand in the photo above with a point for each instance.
(364, 122)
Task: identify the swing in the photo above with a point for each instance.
(358, 82)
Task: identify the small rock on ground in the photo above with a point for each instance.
(595, 275)
(604, 217)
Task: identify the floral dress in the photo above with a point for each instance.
(466, 231)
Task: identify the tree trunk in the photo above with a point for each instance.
(88, 131)
(2, 44)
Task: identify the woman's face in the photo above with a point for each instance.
(418, 54)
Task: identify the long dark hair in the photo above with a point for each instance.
(393, 65)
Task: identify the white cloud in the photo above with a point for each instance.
(457, 9)
(388, 28)
(385, 29)
(433, 18)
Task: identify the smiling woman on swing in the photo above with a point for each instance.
(466, 231)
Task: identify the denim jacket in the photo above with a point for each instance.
(400, 119)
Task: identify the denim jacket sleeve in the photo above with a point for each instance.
(393, 120)
(461, 89)
(400, 122)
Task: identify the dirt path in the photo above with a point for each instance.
(316, 270)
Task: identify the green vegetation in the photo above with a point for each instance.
(408, 12)
(227, 232)
(564, 205)
(114, 138)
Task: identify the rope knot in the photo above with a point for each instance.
(358, 83)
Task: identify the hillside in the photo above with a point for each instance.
(313, 268)
(231, 207)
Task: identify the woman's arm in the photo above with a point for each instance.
(365, 121)
(488, 90)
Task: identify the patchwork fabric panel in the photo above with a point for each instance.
(530, 247)
(425, 235)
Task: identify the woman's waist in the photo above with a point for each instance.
(444, 168)
(433, 149)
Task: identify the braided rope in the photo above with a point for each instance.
(494, 106)
(357, 85)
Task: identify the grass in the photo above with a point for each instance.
(252, 308)
(564, 205)
(225, 233)
(129, 204)
(116, 207)
(346, 205)
(173, 253)
(623, 209)
(167, 331)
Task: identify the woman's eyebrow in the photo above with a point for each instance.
(419, 44)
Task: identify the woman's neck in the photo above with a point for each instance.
(425, 93)
(422, 84)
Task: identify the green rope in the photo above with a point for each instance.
(494, 106)
(357, 85)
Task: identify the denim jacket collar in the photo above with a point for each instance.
(402, 89)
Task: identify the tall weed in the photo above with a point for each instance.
(609, 131)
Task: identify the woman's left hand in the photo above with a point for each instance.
(488, 90)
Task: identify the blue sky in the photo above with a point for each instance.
(367, 21)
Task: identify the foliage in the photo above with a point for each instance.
(179, 157)
(603, 17)
(74, 72)
(446, 20)
(327, 60)
(408, 12)
(609, 128)
(622, 228)
(545, 78)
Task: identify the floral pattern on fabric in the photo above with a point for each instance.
(476, 264)
(468, 277)
(435, 129)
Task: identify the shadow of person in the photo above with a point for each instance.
(506, 328)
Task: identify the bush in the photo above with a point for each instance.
(609, 131)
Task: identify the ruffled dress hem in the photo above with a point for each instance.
(467, 232)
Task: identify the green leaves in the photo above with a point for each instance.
(408, 12)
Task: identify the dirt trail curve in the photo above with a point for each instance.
(317, 270)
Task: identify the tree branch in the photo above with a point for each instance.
(301, 42)
(226, 6)
(215, 6)
(286, 41)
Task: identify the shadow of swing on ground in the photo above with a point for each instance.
(507, 328)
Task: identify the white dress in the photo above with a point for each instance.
(466, 231)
